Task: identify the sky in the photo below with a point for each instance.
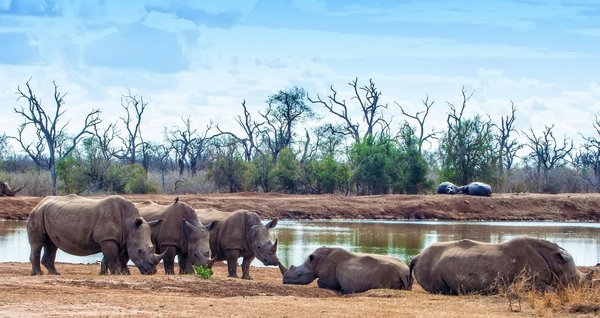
(201, 59)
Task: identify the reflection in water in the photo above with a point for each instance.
(402, 239)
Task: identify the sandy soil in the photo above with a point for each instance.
(80, 291)
(504, 206)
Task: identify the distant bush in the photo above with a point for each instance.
(129, 179)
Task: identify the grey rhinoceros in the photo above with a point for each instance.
(447, 188)
(180, 233)
(240, 234)
(82, 226)
(6, 190)
(465, 266)
(476, 188)
(339, 269)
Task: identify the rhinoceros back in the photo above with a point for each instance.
(77, 225)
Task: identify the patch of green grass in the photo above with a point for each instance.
(203, 272)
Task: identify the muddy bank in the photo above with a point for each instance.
(501, 207)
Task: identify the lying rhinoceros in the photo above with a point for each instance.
(6, 190)
(476, 188)
(349, 272)
(240, 234)
(473, 267)
(181, 234)
(82, 226)
(447, 188)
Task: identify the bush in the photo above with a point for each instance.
(123, 178)
(72, 175)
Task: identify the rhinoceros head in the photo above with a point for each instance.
(140, 248)
(198, 247)
(261, 243)
(301, 275)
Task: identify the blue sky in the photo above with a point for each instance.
(202, 58)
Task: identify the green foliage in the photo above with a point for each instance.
(372, 163)
(286, 171)
(329, 175)
(467, 151)
(203, 272)
(129, 178)
(71, 172)
(228, 173)
(260, 173)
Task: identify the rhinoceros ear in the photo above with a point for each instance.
(188, 228)
(211, 225)
(311, 257)
(272, 223)
(560, 257)
(138, 222)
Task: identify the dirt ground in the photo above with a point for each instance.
(80, 291)
(503, 206)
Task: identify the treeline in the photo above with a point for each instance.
(277, 150)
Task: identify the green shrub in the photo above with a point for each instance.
(203, 272)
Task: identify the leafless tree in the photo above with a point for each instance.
(181, 141)
(368, 98)
(421, 121)
(199, 147)
(251, 129)
(546, 151)
(104, 138)
(48, 130)
(134, 108)
(508, 147)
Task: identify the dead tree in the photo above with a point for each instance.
(181, 141)
(49, 133)
(508, 147)
(251, 130)
(199, 147)
(134, 108)
(104, 138)
(421, 121)
(546, 151)
(368, 99)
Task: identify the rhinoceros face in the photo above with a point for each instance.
(565, 270)
(301, 275)
(140, 248)
(261, 244)
(198, 243)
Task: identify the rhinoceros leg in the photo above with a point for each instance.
(49, 257)
(111, 259)
(246, 267)
(123, 259)
(34, 258)
(185, 266)
(169, 259)
(231, 256)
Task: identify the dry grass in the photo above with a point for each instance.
(581, 300)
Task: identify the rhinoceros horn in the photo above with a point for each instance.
(211, 262)
(158, 257)
(274, 248)
(282, 268)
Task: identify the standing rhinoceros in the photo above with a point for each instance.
(240, 234)
(349, 272)
(476, 188)
(447, 188)
(467, 266)
(181, 234)
(82, 226)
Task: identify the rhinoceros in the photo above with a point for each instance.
(6, 190)
(476, 188)
(349, 272)
(447, 188)
(181, 234)
(466, 266)
(240, 234)
(82, 226)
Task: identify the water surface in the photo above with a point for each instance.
(402, 239)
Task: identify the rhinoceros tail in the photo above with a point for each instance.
(411, 267)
